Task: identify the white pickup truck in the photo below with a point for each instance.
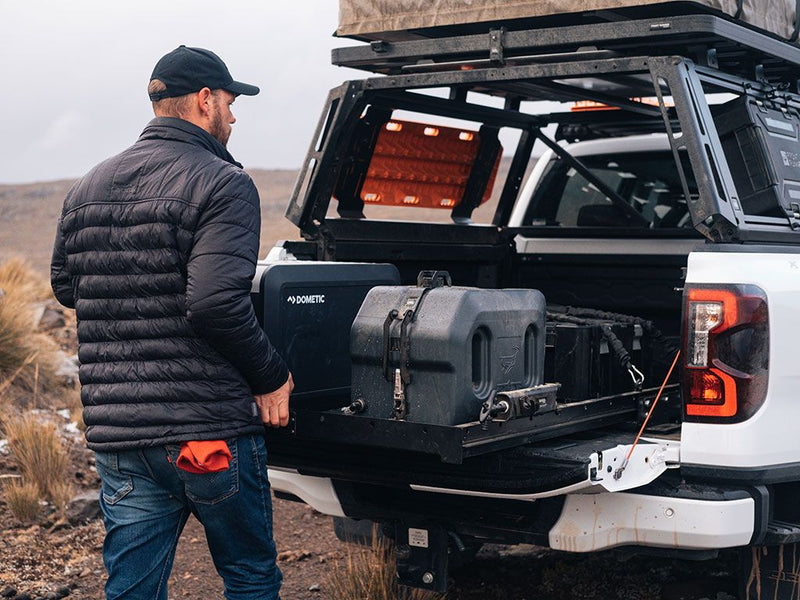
(659, 226)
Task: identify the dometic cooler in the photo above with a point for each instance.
(434, 353)
(306, 309)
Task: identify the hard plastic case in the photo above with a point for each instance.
(460, 346)
(306, 309)
(762, 144)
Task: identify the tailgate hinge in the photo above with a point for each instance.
(648, 462)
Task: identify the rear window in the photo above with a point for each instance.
(647, 181)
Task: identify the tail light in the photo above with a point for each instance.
(726, 352)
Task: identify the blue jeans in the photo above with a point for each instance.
(146, 501)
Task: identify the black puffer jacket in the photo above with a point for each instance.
(156, 250)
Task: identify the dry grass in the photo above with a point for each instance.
(40, 455)
(72, 402)
(22, 499)
(368, 573)
(16, 274)
(60, 495)
(27, 358)
(16, 329)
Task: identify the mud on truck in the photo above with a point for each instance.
(545, 291)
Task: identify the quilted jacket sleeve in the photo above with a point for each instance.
(60, 279)
(220, 270)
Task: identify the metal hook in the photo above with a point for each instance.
(637, 376)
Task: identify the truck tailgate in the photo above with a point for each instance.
(534, 471)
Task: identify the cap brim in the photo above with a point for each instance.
(237, 87)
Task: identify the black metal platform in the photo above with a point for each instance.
(707, 39)
(456, 443)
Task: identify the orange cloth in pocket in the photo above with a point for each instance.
(209, 456)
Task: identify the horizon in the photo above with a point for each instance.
(63, 179)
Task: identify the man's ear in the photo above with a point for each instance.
(204, 101)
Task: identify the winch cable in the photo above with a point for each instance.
(592, 313)
(623, 356)
(618, 472)
(616, 345)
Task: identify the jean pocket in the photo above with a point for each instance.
(211, 488)
(115, 484)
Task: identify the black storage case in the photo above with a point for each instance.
(462, 345)
(580, 359)
(306, 309)
(762, 145)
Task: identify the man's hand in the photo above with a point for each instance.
(275, 405)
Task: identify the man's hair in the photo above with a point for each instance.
(169, 107)
(172, 107)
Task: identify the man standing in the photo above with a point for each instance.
(156, 249)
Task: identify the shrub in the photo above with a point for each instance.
(16, 328)
(40, 455)
(368, 573)
(17, 276)
(26, 358)
(72, 402)
(61, 493)
(22, 499)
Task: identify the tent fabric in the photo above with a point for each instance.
(364, 17)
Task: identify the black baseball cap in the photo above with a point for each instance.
(186, 70)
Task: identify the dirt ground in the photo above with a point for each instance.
(36, 560)
(40, 559)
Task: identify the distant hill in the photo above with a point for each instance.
(29, 212)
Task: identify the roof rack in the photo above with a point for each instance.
(706, 39)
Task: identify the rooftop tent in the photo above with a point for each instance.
(371, 19)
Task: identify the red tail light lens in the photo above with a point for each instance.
(712, 393)
(726, 352)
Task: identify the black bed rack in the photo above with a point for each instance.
(707, 39)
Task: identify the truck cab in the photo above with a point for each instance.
(648, 195)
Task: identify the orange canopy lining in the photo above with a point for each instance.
(590, 105)
(418, 164)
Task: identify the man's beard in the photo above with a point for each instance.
(217, 128)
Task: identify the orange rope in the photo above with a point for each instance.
(650, 412)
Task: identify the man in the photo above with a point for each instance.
(156, 249)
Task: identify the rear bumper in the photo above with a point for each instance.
(586, 522)
(591, 522)
(317, 492)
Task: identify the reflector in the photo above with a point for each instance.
(713, 394)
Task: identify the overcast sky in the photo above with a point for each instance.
(75, 74)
